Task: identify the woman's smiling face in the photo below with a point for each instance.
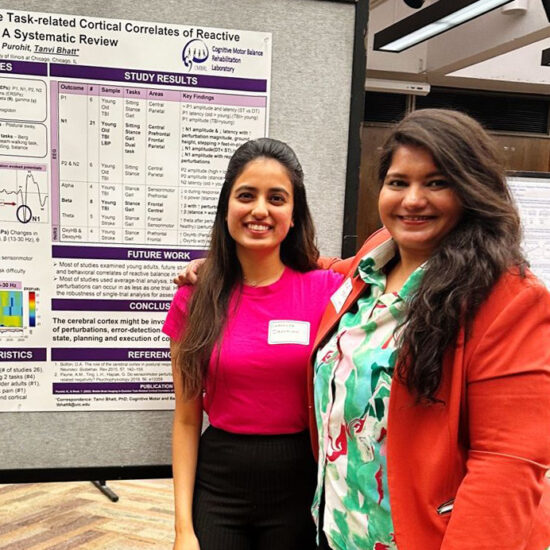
(261, 204)
(416, 203)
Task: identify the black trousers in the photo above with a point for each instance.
(323, 542)
(254, 492)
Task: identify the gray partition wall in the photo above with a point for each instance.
(316, 104)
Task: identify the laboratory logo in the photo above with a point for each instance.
(195, 51)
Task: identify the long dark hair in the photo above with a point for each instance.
(470, 259)
(221, 272)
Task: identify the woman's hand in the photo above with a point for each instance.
(186, 542)
(190, 275)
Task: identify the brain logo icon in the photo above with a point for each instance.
(195, 51)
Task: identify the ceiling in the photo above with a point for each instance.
(496, 51)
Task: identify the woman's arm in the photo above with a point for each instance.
(335, 264)
(190, 274)
(508, 422)
(343, 266)
(185, 444)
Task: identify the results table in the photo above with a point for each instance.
(143, 165)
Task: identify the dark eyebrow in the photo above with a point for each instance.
(245, 187)
(279, 190)
(435, 174)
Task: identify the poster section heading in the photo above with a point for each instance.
(114, 140)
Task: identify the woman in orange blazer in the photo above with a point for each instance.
(430, 379)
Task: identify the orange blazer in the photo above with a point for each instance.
(469, 473)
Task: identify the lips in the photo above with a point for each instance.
(416, 219)
(257, 226)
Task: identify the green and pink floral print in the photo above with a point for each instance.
(353, 375)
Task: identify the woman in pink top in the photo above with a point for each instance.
(240, 345)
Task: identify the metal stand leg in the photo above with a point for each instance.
(109, 493)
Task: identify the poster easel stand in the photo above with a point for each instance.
(107, 491)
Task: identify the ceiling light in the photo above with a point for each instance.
(414, 3)
(431, 21)
(396, 86)
(517, 7)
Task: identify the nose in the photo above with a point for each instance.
(260, 209)
(415, 196)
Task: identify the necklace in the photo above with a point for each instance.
(265, 280)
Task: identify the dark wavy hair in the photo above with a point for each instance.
(221, 273)
(471, 258)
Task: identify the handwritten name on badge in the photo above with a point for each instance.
(288, 332)
(339, 298)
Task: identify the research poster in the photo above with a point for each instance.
(114, 138)
(532, 197)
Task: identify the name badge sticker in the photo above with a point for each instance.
(339, 298)
(288, 332)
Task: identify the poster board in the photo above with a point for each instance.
(300, 96)
(531, 192)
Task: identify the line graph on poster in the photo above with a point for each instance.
(24, 193)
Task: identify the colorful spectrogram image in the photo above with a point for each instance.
(11, 309)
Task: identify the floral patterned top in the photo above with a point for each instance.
(353, 374)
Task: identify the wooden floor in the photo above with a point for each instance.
(63, 516)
